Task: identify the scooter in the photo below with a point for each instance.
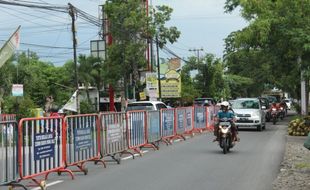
(226, 140)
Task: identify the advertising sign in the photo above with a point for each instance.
(18, 90)
(171, 87)
(151, 85)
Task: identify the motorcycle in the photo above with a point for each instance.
(226, 139)
(281, 112)
(274, 115)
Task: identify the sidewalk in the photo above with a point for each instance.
(295, 168)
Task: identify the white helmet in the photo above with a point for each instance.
(225, 103)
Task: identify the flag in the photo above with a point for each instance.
(71, 105)
(9, 47)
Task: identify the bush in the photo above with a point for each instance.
(299, 126)
(21, 106)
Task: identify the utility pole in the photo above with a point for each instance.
(158, 69)
(72, 14)
(196, 51)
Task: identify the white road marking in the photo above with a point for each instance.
(49, 184)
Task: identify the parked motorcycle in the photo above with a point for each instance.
(226, 139)
(274, 115)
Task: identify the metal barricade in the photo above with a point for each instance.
(113, 135)
(7, 117)
(200, 120)
(136, 125)
(180, 127)
(41, 148)
(82, 141)
(210, 118)
(8, 154)
(167, 125)
(153, 128)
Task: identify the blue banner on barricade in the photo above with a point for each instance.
(200, 121)
(8, 154)
(181, 122)
(136, 130)
(167, 125)
(83, 140)
(153, 127)
(189, 119)
(113, 135)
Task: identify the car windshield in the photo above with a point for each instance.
(245, 104)
(140, 106)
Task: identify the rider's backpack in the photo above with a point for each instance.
(307, 142)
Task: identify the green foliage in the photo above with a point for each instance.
(209, 80)
(21, 106)
(130, 28)
(86, 107)
(277, 35)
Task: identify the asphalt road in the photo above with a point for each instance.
(194, 164)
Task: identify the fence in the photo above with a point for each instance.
(8, 154)
(41, 148)
(82, 141)
(167, 125)
(113, 135)
(200, 121)
(153, 128)
(7, 117)
(136, 122)
(180, 123)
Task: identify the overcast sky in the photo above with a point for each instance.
(203, 24)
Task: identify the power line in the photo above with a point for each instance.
(37, 5)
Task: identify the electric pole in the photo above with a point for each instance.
(196, 51)
(72, 14)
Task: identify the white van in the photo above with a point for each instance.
(146, 105)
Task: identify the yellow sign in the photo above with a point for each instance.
(171, 87)
(142, 96)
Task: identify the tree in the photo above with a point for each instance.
(131, 28)
(209, 80)
(277, 35)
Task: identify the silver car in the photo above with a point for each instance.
(249, 113)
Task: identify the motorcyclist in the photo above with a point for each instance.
(274, 105)
(225, 113)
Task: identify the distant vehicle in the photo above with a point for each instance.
(146, 105)
(249, 113)
(204, 102)
(288, 103)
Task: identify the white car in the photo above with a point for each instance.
(249, 113)
(146, 105)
